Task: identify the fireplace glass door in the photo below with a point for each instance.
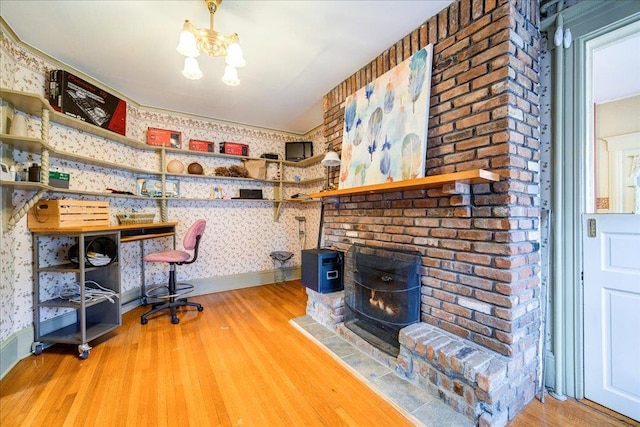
(382, 294)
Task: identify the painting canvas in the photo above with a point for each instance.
(385, 125)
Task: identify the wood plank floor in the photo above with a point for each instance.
(574, 413)
(237, 363)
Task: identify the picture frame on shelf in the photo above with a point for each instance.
(150, 187)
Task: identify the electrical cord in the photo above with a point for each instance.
(72, 292)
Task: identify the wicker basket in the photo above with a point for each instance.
(136, 218)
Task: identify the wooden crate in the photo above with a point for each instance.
(54, 214)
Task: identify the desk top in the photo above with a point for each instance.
(107, 228)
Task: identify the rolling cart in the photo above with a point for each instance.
(82, 282)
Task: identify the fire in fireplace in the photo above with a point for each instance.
(382, 294)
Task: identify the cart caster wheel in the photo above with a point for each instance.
(36, 348)
(83, 351)
(175, 320)
(200, 308)
(143, 321)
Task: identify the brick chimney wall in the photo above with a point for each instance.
(480, 247)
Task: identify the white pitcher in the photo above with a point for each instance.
(19, 126)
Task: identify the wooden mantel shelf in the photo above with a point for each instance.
(475, 176)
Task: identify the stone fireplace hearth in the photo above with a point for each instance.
(472, 380)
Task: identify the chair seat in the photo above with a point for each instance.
(168, 256)
(281, 256)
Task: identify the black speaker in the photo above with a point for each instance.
(323, 270)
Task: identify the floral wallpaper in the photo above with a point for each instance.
(239, 235)
(545, 167)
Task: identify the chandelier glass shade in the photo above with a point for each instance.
(191, 69)
(230, 76)
(194, 41)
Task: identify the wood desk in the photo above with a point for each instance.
(128, 232)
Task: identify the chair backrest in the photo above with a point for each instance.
(193, 233)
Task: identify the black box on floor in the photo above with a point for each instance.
(78, 98)
(323, 270)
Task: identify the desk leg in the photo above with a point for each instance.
(143, 290)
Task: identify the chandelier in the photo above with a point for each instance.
(194, 40)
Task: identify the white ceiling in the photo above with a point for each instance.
(296, 51)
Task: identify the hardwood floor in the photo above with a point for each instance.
(237, 363)
(571, 412)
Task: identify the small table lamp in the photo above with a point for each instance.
(330, 160)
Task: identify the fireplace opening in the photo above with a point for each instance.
(382, 294)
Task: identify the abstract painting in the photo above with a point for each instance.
(385, 125)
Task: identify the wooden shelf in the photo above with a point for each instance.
(308, 181)
(36, 105)
(304, 163)
(23, 143)
(475, 176)
(33, 104)
(36, 145)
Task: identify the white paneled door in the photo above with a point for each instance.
(611, 251)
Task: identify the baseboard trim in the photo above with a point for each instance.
(243, 280)
(18, 345)
(14, 349)
(8, 355)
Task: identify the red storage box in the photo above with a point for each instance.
(198, 145)
(234, 148)
(78, 98)
(164, 137)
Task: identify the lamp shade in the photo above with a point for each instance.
(191, 69)
(230, 76)
(234, 56)
(331, 159)
(187, 45)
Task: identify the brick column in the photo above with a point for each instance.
(480, 248)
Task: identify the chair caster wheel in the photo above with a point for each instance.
(200, 308)
(175, 320)
(143, 321)
(84, 354)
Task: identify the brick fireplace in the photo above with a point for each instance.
(381, 294)
(476, 345)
